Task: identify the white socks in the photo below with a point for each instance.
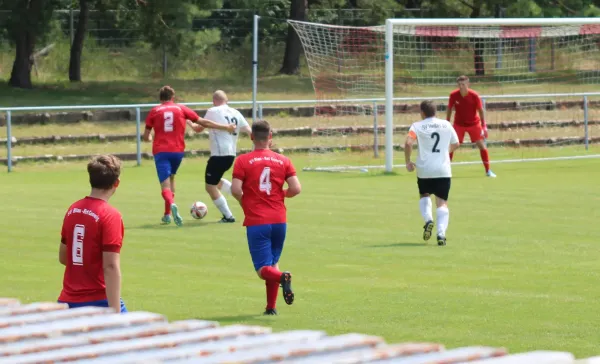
(225, 186)
(425, 207)
(221, 204)
(443, 216)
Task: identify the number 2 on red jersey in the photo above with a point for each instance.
(265, 181)
(168, 116)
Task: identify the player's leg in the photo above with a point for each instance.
(259, 245)
(476, 135)
(224, 186)
(460, 133)
(425, 206)
(163, 169)
(215, 169)
(277, 241)
(442, 213)
(175, 160)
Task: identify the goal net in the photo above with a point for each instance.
(538, 83)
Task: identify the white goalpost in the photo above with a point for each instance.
(536, 70)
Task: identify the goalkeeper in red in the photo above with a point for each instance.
(469, 119)
(258, 180)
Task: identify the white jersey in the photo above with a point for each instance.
(224, 143)
(434, 137)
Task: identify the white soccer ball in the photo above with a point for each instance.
(198, 210)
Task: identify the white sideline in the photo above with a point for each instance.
(349, 168)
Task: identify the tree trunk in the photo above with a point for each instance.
(21, 71)
(478, 58)
(78, 39)
(24, 28)
(293, 46)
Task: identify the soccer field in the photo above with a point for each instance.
(520, 269)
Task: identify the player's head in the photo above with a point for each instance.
(463, 83)
(427, 109)
(261, 133)
(166, 93)
(104, 171)
(219, 98)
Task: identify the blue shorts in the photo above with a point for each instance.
(101, 303)
(265, 243)
(167, 164)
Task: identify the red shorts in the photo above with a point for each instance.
(475, 132)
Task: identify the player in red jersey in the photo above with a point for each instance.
(91, 240)
(470, 119)
(258, 180)
(169, 121)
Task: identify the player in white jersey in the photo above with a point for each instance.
(223, 149)
(436, 139)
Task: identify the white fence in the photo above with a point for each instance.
(257, 107)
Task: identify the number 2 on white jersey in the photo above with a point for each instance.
(168, 115)
(265, 181)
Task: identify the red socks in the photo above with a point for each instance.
(270, 274)
(272, 292)
(485, 158)
(168, 196)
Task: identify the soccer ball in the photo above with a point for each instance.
(198, 210)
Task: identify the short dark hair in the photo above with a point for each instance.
(261, 129)
(166, 93)
(462, 78)
(428, 108)
(104, 171)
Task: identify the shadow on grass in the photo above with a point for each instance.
(401, 245)
(186, 225)
(258, 317)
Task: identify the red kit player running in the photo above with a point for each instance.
(91, 240)
(470, 119)
(169, 121)
(258, 180)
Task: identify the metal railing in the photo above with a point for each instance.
(258, 111)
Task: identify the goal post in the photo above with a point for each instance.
(466, 22)
(531, 70)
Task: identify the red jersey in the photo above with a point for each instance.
(465, 107)
(91, 226)
(263, 174)
(169, 121)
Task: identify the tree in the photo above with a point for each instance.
(27, 21)
(168, 24)
(293, 46)
(78, 38)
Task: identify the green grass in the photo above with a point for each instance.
(520, 268)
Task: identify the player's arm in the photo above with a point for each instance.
(62, 254)
(112, 240)
(454, 143)
(111, 264)
(236, 189)
(149, 124)
(449, 109)
(481, 113)
(62, 249)
(195, 127)
(244, 126)
(212, 125)
(294, 187)
(238, 176)
(411, 138)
